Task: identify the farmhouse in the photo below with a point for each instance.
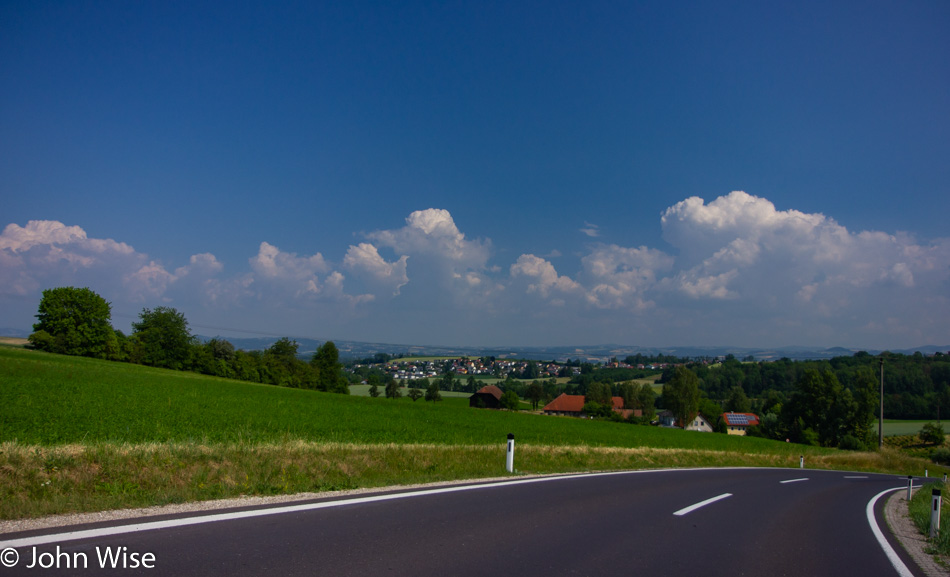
(488, 397)
(699, 423)
(739, 423)
(573, 406)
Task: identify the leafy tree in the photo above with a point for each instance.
(681, 394)
(592, 409)
(432, 392)
(510, 401)
(531, 371)
(600, 393)
(646, 402)
(326, 362)
(414, 394)
(931, 433)
(866, 403)
(392, 389)
(164, 338)
(738, 402)
(74, 321)
(534, 394)
(829, 411)
(282, 367)
(447, 382)
(221, 349)
(373, 385)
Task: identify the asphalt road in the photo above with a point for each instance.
(640, 523)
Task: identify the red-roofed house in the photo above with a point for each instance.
(488, 397)
(738, 423)
(573, 406)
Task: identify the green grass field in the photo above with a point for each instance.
(50, 399)
(81, 434)
(895, 428)
(363, 391)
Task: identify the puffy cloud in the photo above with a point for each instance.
(545, 277)
(740, 246)
(621, 277)
(444, 268)
(365, 258)
(46, 253)
(284, 275)
(433, 233)
(735, 262)
(271, 262)
(51, 233)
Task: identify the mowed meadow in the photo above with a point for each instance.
(80, 434)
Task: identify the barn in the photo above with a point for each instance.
(488, 397)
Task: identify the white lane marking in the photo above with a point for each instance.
(153, 525)
(855, 476)
(902, 569)
(793, 480)
(692, 508)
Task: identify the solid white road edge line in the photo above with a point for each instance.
(692, 508)
(153, 525)
(793, 480)
(902, 569)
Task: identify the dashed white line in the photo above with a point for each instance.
(692, 508)
(793, 480)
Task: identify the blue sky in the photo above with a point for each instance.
(485, 173)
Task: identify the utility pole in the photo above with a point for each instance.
(880, 423)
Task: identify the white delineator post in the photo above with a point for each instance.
(801, 462)
(510, 461)
(910, 485)
(935, 514)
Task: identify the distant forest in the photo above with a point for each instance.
(915, 386)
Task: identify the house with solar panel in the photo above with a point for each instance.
(739, 423)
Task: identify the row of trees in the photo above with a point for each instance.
(819, 410)
(77, 321)
(915, 386)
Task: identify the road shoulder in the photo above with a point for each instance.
(901, 526)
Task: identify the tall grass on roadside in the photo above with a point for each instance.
(37, 481)
(919, 509)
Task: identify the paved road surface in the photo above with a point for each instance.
(642, 523)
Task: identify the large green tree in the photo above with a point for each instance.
(162, 338)
(392, 389)
(432, 392)
(74, 321)
(681, 395)
(326, 361)
(283, 368)
(737, 402)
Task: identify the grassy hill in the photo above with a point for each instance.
(51, 399)
(81, 434)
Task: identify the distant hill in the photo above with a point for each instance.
(590, 353)
(586, 353)
(11, 332)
